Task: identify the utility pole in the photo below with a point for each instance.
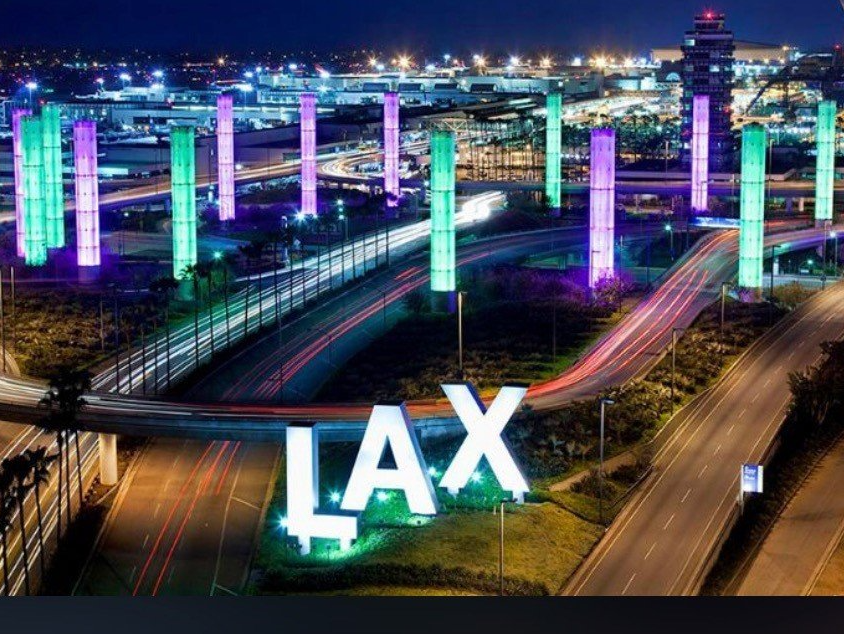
(116, 340)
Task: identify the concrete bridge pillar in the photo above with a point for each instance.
(108, 459)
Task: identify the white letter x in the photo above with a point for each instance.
(484, 438)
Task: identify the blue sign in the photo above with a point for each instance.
(751, 478)
(708, 222)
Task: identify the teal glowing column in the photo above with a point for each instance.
(443, 261)
(553, 149)
(183, 174)
(602, 206)
(17, 152)
(752, 226)
(825, 172)
(35, 210)
(53, 187)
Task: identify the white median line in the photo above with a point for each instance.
(650, 550)
(705, 467)
(628, 584)
(668, 523)
(685, 497)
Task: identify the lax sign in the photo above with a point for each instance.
(390, 426)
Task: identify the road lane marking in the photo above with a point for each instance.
(134, 572)
(755, 398)
(730, 430)
(705, 467)
(741, 413)
(146, 539)
(767, 383)
(249, 504)
(157, 508)
(650, 550)
(685, 497)
(628, 584)
(717, 449)
(668, 523)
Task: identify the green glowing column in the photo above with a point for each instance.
(35, 211)
(53, 189)
(183, 174)
(443, 277)
(553, 150)
(752, 227)
(825, 173)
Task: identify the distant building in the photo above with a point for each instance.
(707, 69)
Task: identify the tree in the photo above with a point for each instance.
(223, 262)
(191, 272)
(64, 398)
(19, 470)
(165, 287)
(204, 270)
(7, 507)
(253, 253)
(39, 463)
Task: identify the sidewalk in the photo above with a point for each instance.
(797, 549)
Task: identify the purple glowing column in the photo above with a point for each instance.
(225, 155)
(87, 194)
(700, 153)
(391, 148)
(601, 205)
(17, 151)
(307, 122)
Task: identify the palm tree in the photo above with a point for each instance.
(223, 261)
(275, 236)
(165, 287)
(7, 506)
(246, 252)
(258, 247)
(191, 272)
(52, 423)
(19, 470)
(39, 463)
(204, 271)
(64, 398)
(252, 252)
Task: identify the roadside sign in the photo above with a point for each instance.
(751, 478)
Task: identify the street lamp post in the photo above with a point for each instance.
(834, 236)
(460, 332)
(724, 287)
(604, 403)
(501, 546)
(771, 292)
(670, 229)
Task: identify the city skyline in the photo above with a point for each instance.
(580, 25)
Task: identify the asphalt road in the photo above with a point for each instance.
(186, 521)
(660, 544)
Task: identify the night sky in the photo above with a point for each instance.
(431, 25)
